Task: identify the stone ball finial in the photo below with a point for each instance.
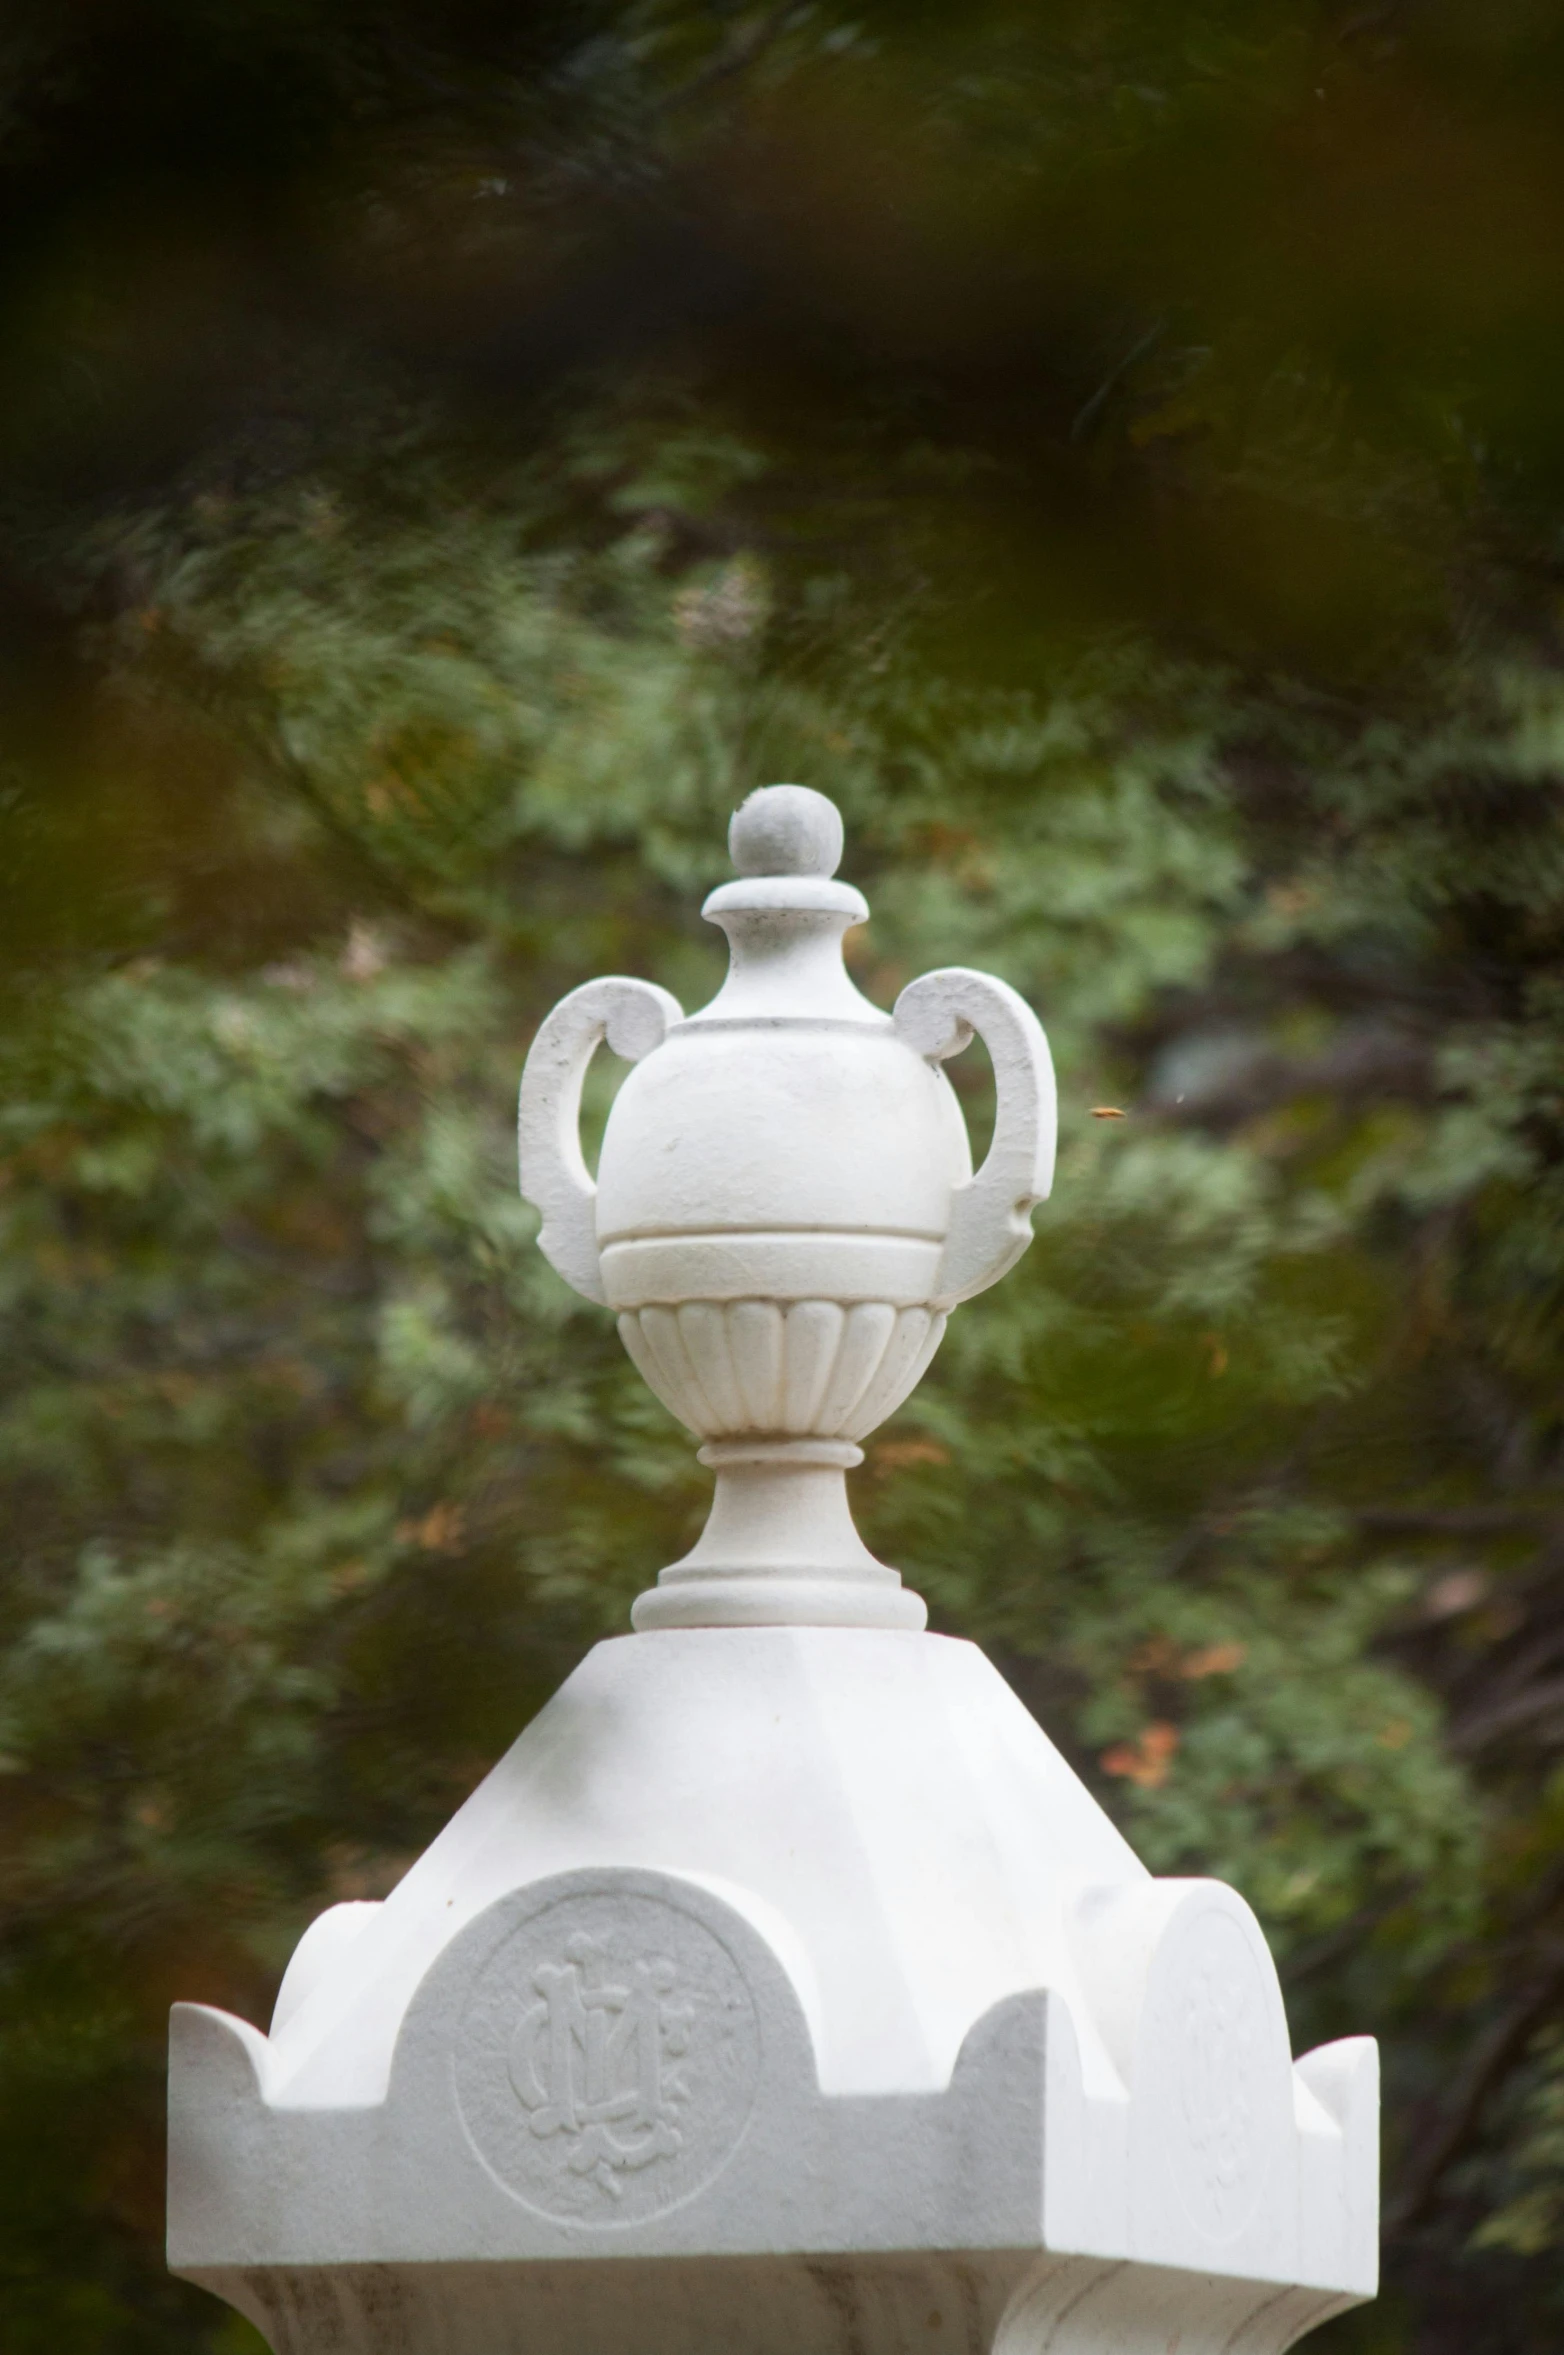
(786, 830)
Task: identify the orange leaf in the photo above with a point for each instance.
(1215, 1660)
(1147, 1762)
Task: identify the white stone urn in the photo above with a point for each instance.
(786, 1212)
(782, 1990)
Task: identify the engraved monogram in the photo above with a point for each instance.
(590, 2061)
(609, 2055)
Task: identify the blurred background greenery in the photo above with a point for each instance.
(448, 454)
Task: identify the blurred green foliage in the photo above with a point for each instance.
(448, 456)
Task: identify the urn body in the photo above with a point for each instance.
(772, 1204)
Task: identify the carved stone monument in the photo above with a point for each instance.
(781, 1991)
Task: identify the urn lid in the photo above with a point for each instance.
(786, 915)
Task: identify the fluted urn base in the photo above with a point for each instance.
(796, 1369)
(780, 1548)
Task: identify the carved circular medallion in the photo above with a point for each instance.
(608, 2058)
(1221, 2070)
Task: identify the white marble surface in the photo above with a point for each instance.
(871, 1972)
(782, 1990)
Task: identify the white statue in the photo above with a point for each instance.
(781, 1991)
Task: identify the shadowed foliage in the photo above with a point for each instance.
(448, 455)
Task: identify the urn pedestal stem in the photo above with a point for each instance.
(780, 1548)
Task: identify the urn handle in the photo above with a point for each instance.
(634, 1017)
(991, 1215)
